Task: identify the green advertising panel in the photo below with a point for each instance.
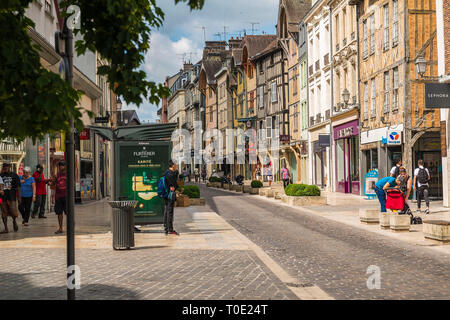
(141, 165)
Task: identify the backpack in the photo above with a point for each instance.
(163, 189)
(422, 176)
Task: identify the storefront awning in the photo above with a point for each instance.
(140, 132)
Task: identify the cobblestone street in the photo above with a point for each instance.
(207, 261)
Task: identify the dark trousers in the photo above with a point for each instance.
(422, 193)
(285, 182)
(382, 198)
(40, 205)
(25, 208)
(168, 215)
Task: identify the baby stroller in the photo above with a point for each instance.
(396, 202)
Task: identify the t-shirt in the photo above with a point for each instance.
(10, 184)
(391, 180)
(60, 186)
(40, 183)
(26, 188)
(268, 171)
(416, 172)
(285, 173)
(393, 169)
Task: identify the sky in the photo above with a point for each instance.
(182, 34)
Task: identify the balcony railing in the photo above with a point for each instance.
(337, 47)
(317, 65)
(311, 70)
(344, 42)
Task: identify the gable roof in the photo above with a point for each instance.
(257, 43)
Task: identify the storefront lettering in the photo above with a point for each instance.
(346, 132)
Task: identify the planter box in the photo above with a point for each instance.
(216, 184)
(262, 192)
(269, 193)
(369, 216)
(254, 190)
(385, 220)
(197, 201)
(304, 201)
(400, 222)
(437, 230)
(226, 186)
(208, 184)
(247, 189)
(182, 201)
(278, 194)
(238, 188)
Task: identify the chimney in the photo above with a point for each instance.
(187, 66)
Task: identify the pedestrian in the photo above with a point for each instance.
(381, 186)
(405, 183)
(285, 176)
(197, 175)
(171, 181)
(41, 192)
(59, 196)
(269, 173)
(27, 193)
(189, 174)
(204, 174)
(421, 179)
(395, 171)
(184, 174)
(258, 172)
(11, 187)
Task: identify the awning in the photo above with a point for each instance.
(158, 131)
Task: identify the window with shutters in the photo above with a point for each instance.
(273, 92)
(372, 99)
(395, 89)
(395, 30)
(366, 100)
(365, 39)
(372, 33)
(386, 27)
(386, 92)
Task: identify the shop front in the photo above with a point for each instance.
(346, 146)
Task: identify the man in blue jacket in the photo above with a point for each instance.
(171, 181)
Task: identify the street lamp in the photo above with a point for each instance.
(421, 65)
(346, 96)
(119, 110)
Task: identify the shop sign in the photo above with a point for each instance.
(84, 135)
(394, 138)
(285, 138)
(437, 95)
(346, 130)
(324, 140)
(101, 119)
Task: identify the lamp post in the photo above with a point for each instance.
(119, 111)
(421, 65)
(345, 96)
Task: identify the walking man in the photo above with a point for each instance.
(285, 176)
(28, 194)
(41, 192)
(11, 187)
(171, 182)
(421, 179)
(59, 196)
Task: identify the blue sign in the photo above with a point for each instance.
(370, 179)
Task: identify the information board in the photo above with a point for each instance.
(141, 165)
(370, 179)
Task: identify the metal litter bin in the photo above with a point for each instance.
(123, 224)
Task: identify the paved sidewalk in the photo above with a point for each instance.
(345, 208)
(209, 260)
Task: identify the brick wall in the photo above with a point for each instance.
(446, 13)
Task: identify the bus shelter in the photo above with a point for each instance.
(140, 156)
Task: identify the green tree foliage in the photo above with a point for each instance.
(191, 191)
(35, 101)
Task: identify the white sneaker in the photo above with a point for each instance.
(418, 211)
(427, 211)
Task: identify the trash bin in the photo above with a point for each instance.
(123, 224)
